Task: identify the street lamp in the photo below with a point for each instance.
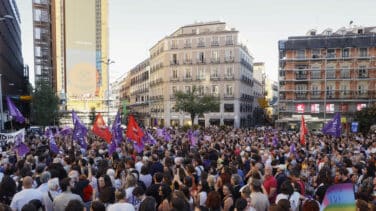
(108, 62)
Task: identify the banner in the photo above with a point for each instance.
(339, 197)
(333, 127)
(9, 137)
(354, 127)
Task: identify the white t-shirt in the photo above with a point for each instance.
(23, 197)
(294, 200)
(138, 166)
(146, 179)
(120, 207)
(202, 196)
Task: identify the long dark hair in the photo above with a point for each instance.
(8, 188)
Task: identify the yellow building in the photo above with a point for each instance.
(78, 33)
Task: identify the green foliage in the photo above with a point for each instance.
(366, 118)
(195, 104)
(92, 115)
(45, 110)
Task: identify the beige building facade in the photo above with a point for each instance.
(210, 57)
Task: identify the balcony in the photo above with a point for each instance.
(214, 78)
(200, 78)
(215, 43)
(201, 45)
(229, 42)
(228, 96)
(174, 79)
(229, 77)
(187, 79)
(301, 76)
(174, 47)
(215, 60)
(172, 97)
(174, 62)
(188, 45)
(199, 61)
(229, 59)
(187, 61)
(301, 96)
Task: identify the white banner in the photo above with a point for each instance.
(9, 137)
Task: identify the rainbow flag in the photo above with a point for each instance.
(339, 197)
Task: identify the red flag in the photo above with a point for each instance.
(134, 132)
(100, 129)
(303, 131)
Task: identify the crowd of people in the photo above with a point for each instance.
(224, 169)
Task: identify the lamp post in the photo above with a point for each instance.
(108, 62)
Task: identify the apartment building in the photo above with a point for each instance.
(210, 57)
(321, 74)
(139, 92)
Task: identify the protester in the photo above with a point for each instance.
(27, 194)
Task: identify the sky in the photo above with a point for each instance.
(136, 25)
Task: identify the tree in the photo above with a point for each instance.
(366, 118)
(196, 104)
(45, 110)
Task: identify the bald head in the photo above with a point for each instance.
(27, 182)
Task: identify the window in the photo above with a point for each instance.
(345, 72)
(329, 91)
(214, 72)
(215, 56)
(187, 43)
(300, 54)
(188, 73)
(174, 58)
(316, 73)
(215, 41)
(301, 88)
(228, 55)
(187, 58)
(229, 40)
(362, 52)
(174, 89)
(344, 90)
(201, 42)
(201, 57)
(174, 44)
(315, 53)
(229, 91)
(229, 72)
(330, 72)
(175, 74)
(37, 33)
(38, 51)
(331, 53)
(345, 52)
(228, 107)
(200, 90)
(200, 73)
(215, 89)
(187, 89)
(361, 90)
(363, 71)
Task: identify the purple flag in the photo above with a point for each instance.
(79, 131)
(14, 112)
(22, 149)
(166, 135)
(116, 130)
(159, 132)
(148, 138)
(53, 146)
(66, 131)
(275, 140)
(293, 149)
(333, 127)
(138, 147)
(112, 147)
